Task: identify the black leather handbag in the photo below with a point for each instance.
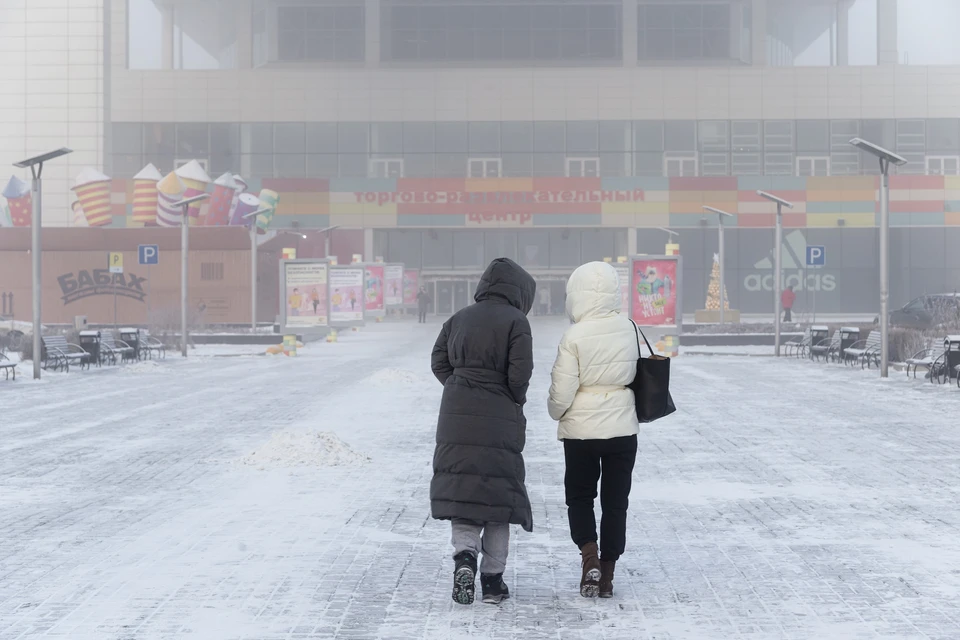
(651, 387)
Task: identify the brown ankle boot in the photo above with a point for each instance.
(590, 580)
(606, 578)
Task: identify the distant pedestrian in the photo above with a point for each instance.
(423, 300)
(484, 359)
(786, 300)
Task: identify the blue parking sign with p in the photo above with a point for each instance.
(816, 256)
(149, 254)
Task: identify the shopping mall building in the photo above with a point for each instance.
(444, 133)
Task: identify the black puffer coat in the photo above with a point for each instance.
(484, 358)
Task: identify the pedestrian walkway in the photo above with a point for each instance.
(783, 500)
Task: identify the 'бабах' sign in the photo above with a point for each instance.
(100, 282)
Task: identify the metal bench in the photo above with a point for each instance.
(828, 349)
(8, 366)
(150, 345)
(932, 358)
(114, 350)
(865, 352)
(60, 354)
(798, 348)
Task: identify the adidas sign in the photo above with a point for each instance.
(794, 273)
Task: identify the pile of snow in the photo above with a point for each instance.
(393, 377)
(303, 449)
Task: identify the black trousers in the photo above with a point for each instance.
(422, 316)
(611, 462)
(787, 315)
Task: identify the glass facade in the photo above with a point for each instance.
(921, 261)
(538, 149)
(205, 34)
(320, 33)
(481, 32)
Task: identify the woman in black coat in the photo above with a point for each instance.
(484, 359)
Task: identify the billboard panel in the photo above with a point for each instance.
(304, 287)
(346, 296)
(655, 290)
(393, 285)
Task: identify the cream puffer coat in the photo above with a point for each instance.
(597, 358)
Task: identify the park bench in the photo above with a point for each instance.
(8, 366)
(932, 358)
(798, 348)
(60, 354)
(865, 352)
(827, 349)
(114, 350)
(150, 345)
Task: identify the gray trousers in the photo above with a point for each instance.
(493, 546)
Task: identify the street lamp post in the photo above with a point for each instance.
(185, 264)
(36, 169)
(778, 265)
(886, 158)
(723, 282)
(326, 239)
(252, 217)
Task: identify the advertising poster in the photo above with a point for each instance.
(623, 275)
(393, 285)
(373, 289)
(305, 294)
(654, 291)
(346, 295)
(411, 286)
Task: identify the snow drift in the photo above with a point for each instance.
(303, 449)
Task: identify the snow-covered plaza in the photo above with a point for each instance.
(784, 500)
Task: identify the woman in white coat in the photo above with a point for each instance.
(596, 361)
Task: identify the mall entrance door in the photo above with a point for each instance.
(453, 295)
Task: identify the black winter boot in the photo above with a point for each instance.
(464, 576)
(494, 588)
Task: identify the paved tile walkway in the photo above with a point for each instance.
(785, 500)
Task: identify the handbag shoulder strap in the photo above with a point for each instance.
(640, 333)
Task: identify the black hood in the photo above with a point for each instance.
(506, 280)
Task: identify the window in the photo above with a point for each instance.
(581, 34)
(943, 135)
(943, 165)
(182, 161)
(484, 137)
(813, 135)
(321, 34)
(583, 167)
(813, 166)
(484, 167)
(452, 137)
(683, 31)
(714, 135)
(778, 135)
(714, 164)
(211, 271)
(203, 35)
(679, 166)
(779, 164)
(386, 168)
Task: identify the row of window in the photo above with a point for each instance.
(932, 137)
(518, 149)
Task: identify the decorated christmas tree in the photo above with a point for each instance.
(713, 290)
